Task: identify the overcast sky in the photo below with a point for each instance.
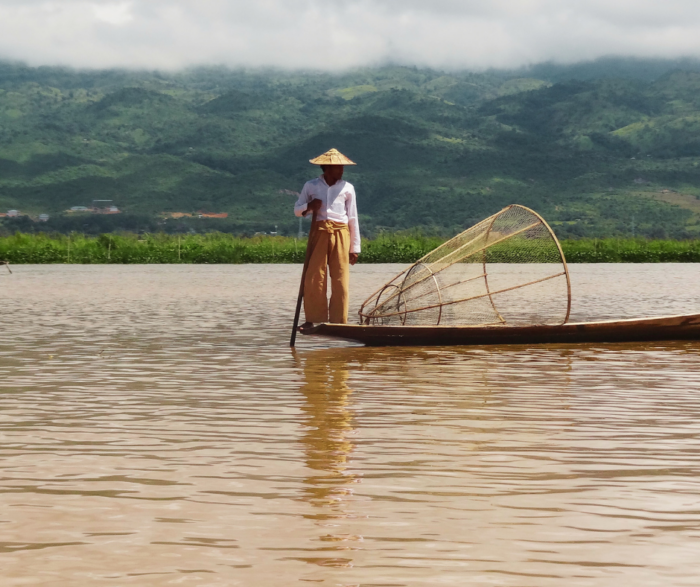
(336, 34)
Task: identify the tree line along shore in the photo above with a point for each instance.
(224, 248)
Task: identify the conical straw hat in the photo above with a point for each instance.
(332, 157)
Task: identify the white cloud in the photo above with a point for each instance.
(315, 34)
(117, 14)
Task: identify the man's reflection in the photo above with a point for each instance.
(329, 427)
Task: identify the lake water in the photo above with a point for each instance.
(157, 430)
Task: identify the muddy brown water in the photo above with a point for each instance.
(156, 430)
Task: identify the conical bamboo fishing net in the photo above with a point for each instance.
(508, 270)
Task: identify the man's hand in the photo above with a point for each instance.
(353, 258)
(313, 206)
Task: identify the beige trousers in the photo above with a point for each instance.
(330, 242)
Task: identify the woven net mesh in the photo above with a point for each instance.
(508, 270)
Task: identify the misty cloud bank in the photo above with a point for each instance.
(451, 34)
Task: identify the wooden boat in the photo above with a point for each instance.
(503, 281)
(636, 330)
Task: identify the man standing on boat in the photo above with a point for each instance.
(335, 239)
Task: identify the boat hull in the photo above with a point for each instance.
(685, 327)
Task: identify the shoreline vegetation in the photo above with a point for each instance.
(224, 248)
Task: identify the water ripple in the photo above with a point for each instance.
(157, 430)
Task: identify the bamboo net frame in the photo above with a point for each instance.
(507, 270)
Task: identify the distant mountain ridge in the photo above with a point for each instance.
(436, 150)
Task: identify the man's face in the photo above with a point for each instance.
(333, 173)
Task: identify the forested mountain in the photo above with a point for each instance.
(606, 148)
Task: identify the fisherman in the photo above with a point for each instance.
(335, 239)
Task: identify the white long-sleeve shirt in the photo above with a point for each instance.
(339, 205)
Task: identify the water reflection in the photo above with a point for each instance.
(195, 451)
(329, 429)
(327, 439)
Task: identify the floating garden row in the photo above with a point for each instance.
(224, 248)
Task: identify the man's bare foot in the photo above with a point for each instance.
(305, 326)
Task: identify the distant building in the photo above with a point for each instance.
(176, 215)
(212, 215)
(12, 213)
(79, 209)
(43, 217)
(200, 214)
(101, 206)
(104, 207)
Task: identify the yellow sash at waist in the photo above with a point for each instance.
(331, 226)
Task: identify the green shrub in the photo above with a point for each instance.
(224, 248)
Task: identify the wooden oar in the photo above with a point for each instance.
(309, 250)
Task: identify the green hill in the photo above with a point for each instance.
(602, 149)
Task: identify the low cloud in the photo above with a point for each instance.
(312, 34)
